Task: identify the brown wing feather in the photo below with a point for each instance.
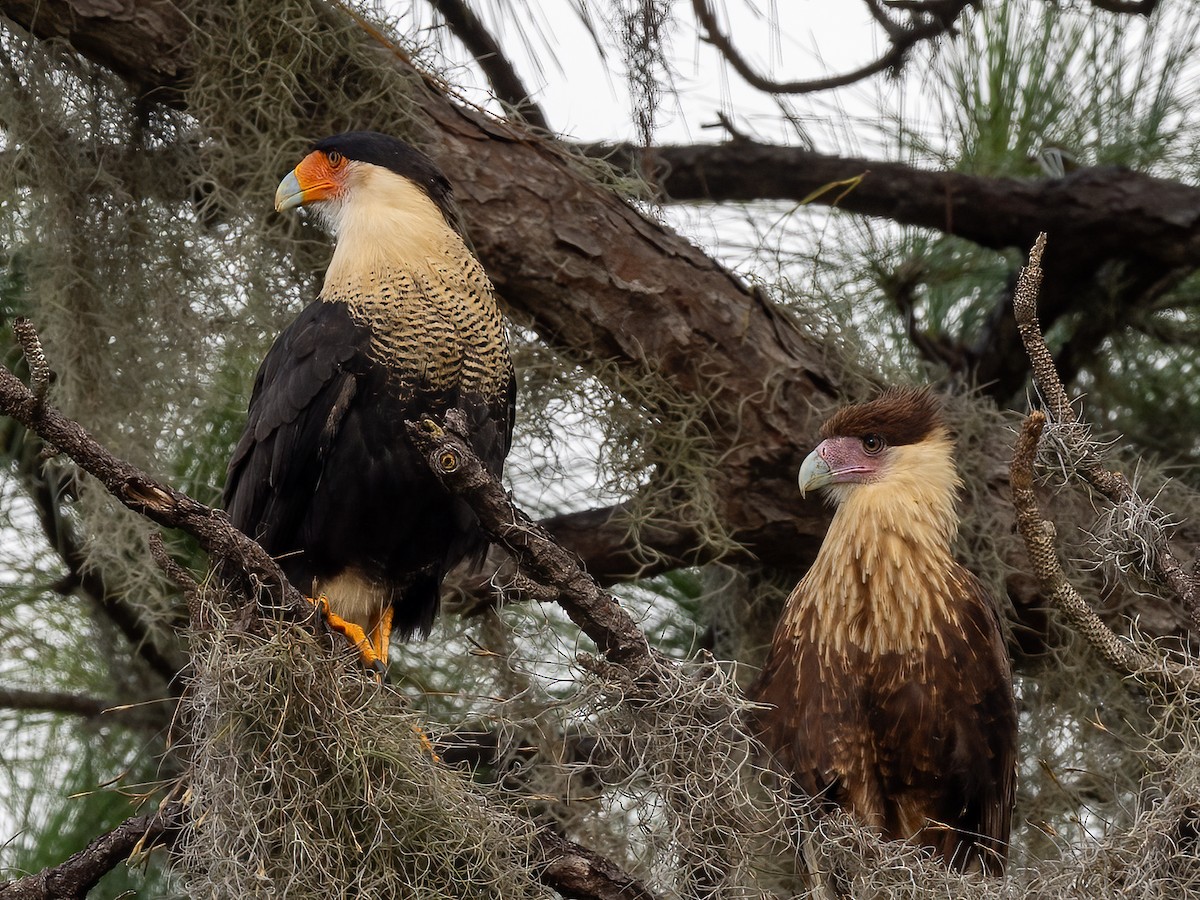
(945, 725)
(814, 720)
(921, 744)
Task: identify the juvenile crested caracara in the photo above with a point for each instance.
(405, 326)
(888, 690)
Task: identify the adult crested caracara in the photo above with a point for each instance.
(405, 326)
(887, 690)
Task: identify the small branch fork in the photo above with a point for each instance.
(569, 868)
(541, 559)
(1039, 534)
(928, 21)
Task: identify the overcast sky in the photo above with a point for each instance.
(585, 96)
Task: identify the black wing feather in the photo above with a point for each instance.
(276, 464)
(326, 478)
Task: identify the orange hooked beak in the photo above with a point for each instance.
(318, 177)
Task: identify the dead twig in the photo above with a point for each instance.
(541, 559)
(925, 24)
(1039, 533)
(1039, 536)
(182, 577)
(1156, 553)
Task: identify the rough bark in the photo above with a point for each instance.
(1111, 210)
(75, 876)
(599, 280)
(575, 871)
(571, 869)
(140, 40)
(540, 559)
(1101, 220)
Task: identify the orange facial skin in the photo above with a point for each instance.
(319, 176)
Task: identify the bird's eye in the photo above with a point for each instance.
(335, 158)
(873, 443)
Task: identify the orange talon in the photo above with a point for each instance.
(354, 633)
(381, 634)
(426, 743)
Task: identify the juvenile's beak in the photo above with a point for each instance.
(814, 473)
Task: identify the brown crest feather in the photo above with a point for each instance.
(900, 415)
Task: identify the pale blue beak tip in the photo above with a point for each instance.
(814, 473)
(289, 194)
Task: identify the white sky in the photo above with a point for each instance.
(585, 97)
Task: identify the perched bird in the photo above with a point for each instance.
(406, 325)
(887, 690)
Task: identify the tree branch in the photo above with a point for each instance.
(73, 878)
(594, 277)
(596, 612)
(126, 616)
(156, 62)
(1156, 554)
(902, 39)
(1105, 220)
(254, 568)
(1156, 219)
(45, 491)
(503, 77)
(1128, 7)
(569, 868)
(1039, 536)
(577, 872)
(139, 715)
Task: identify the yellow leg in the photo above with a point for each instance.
(381, 634)
(355, 634)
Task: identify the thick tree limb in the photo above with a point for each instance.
(1159, 219)
(594, 277)
(103, 27)
(1101, 218)
(73, 878)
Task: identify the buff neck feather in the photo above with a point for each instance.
(885, 573)
(385, 223)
